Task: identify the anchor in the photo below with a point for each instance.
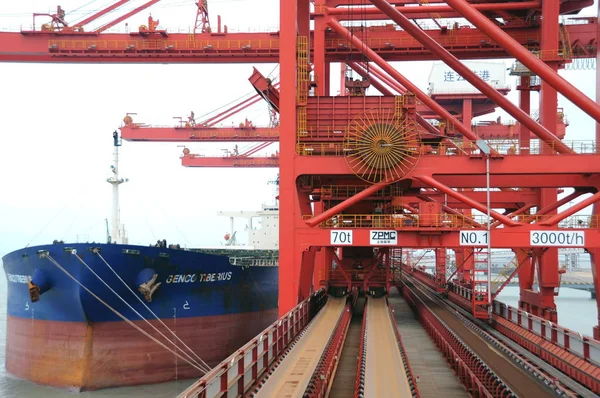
(147, 289)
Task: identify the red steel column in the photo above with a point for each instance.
(534, 64)
(471, 77)
(321, 257)
(525, 104)
(465, 262)
(343, 79)
(595, 260)
(440, 266)
(467, 256)
(595, 253)
(467, 117)
(327, 76)
(548, 277)
(303, 24)
(319, 48)
(290, 256)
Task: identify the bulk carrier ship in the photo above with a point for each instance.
(86, 316)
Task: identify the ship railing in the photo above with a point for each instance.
(238, 372)
(253, 262)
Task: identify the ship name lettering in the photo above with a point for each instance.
(191, 278)
(215, 277)
(14, 278)
(184, 278)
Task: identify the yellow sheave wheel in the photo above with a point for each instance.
(381, 145)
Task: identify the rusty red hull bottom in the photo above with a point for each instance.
(109, 354)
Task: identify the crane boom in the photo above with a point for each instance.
(101, 13)
(124, 17)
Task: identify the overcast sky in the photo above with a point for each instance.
(56, 123)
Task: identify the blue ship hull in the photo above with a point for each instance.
(210, 302)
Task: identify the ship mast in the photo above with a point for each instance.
(118, 234)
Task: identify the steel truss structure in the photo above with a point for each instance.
(364, 178)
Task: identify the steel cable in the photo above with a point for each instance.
(152, 312)
(201, 364)
(53, 261)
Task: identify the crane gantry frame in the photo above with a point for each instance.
(530, 32)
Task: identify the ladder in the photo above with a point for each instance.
(479, 290)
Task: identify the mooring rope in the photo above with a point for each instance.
(53, 261)
(148, 308)
(203, 365)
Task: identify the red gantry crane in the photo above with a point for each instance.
(365, 178)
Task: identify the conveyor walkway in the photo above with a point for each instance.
(521, 382)
(436, 378)
(291, 377)
(385, 375)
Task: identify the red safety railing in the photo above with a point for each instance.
(319, 384)
(427, 279)
(471, 371)
(359, 384)
(407, 369)
(576, 355)
(241, 370)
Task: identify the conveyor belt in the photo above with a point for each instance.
(521, 383)
(385, 376)
(291, 377)
(345, 376)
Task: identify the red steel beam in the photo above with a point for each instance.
(554, 206)
(198, 133)
(264, 88)
(124, 17)
(571, 210)
(232, 110)
(457, 195)
(393, 45)
(458, 171)
(387, 80)
(471, 77)
(513, 214)
(427, 100)
(504, 199)
(101, 13)
(503, 238)
(529, 60)
(256, 148)
(347, 203)
(344, 13)
(231, 161)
